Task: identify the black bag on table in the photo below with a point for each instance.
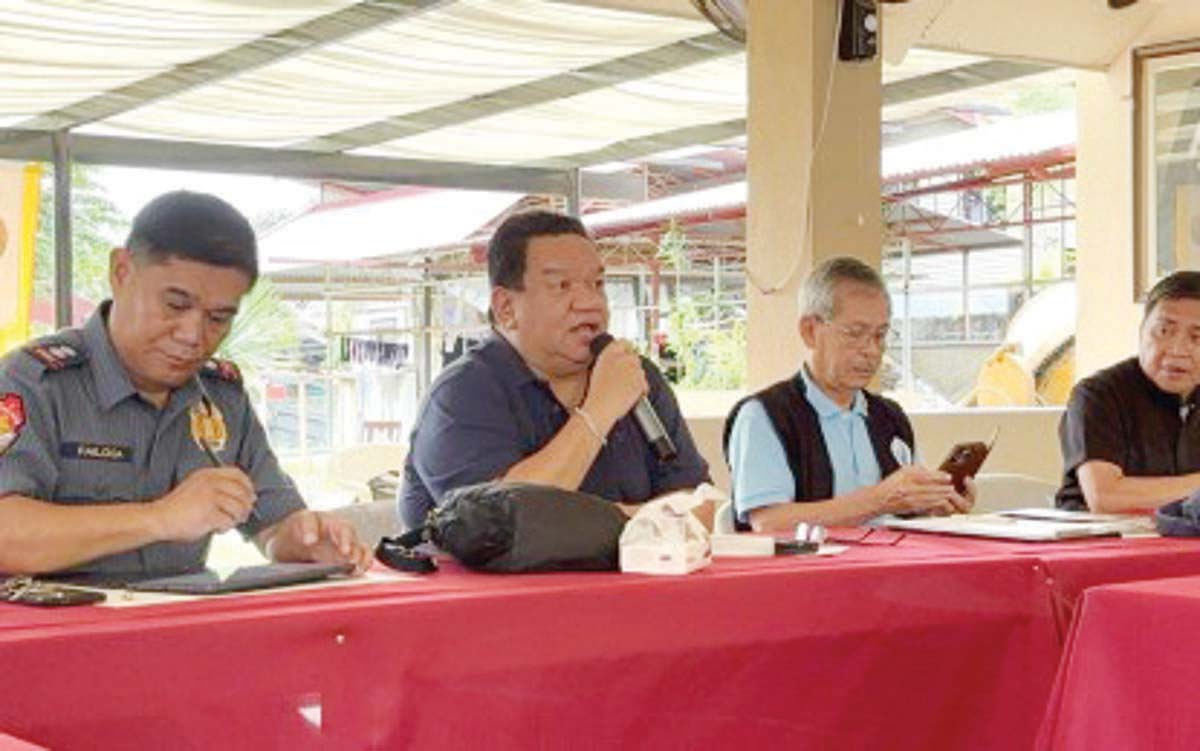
(518, 527)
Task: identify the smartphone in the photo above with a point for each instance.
(965, 459)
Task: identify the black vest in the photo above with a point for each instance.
(796, 423)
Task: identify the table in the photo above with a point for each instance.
(932, 643)
(9, 743)
(1128, 676)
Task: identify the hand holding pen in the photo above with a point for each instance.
(213, 458)
(208, 500)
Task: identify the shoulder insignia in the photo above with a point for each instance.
(12, 419)
(223, 370)
(55, 354)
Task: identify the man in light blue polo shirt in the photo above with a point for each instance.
(819, 447)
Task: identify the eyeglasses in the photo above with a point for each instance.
(860, 337)
(867, 536)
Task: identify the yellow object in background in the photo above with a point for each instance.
(19, 197)
(1057, 376)
(1004, 382)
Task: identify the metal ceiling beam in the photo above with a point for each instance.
(897, 92)
(332, 27)
(132, 152)
(570, 83)
(958, 79)
(634, 148)
(663, 8)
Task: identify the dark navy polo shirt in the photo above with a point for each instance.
(488, 411)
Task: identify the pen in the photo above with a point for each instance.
(208, 449)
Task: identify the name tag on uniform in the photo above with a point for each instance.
(96, 452)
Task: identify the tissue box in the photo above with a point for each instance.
(664, 537)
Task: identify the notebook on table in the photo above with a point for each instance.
(211, 582)
(1007, 526)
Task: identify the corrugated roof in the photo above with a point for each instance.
(1010, 139)
(1016, 137)
(384, 224)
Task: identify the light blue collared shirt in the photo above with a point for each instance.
(761, 475)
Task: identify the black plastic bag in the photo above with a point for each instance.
(514, 527)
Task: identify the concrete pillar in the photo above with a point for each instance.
(790, 48)
(1106, 313)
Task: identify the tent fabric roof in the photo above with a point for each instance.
(488, 82)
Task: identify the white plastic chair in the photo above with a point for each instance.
(351, 468)
(1001, 492)
(723, 520)
(372, 520)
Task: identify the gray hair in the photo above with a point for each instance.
(816, 295)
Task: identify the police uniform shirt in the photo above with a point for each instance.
(1119, 416)
(74, 430)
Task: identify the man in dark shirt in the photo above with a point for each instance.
(1130, 437)
(533, 403)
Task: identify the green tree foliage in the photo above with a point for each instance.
(266, 326)
(709, 338)
(708, 335)
(672, 246)
(265, 330)
(96, 225)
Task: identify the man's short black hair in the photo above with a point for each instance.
(194, 227)
(1182, 285)
(507, 249)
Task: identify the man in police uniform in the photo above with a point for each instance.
(123, 446)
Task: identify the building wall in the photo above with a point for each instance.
(1107, 314)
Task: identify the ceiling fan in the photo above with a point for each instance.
(729, 16)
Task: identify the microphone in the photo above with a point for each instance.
(644, 414)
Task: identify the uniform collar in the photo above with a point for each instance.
(826, 407)
(112, 381)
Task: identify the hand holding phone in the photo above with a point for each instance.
(965, 459)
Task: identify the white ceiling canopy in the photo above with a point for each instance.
(1073, 33)
(408, 90)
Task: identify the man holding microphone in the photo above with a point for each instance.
(534, 403)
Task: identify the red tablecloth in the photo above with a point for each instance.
(9, 743)
(932, 643)
(1128, 678)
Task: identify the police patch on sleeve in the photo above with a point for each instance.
(12, 419)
